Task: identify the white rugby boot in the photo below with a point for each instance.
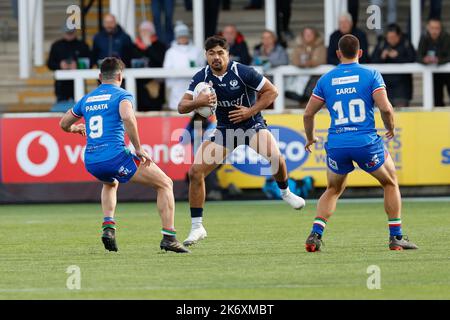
(294, 200)
(197, 233)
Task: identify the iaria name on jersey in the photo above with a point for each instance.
(345, 90)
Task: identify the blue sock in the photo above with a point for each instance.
(395, 227)
(319, 225)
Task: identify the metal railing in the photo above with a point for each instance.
(278, 74)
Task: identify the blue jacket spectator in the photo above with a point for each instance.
(112, 41)
(346, 27)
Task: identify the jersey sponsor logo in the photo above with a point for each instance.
(51, 147)
(292, 147)
(102, 97)
(345, 90)
(344, 80)
(232, 103)
(346, 129)
(97, 107)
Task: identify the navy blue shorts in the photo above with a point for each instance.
(120, 168)
(231, 138)
(369, 158)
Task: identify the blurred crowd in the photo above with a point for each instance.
(162, 43)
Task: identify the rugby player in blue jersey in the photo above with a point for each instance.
(350, 92)
(108, 113)
(239, 121)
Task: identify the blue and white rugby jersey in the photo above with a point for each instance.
(347, 91)
(104, 126)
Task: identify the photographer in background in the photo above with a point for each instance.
(395, 48)
(68, 53)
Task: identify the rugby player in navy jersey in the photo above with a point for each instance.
(241, 93)
(108, 112)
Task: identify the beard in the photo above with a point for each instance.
(217, 65)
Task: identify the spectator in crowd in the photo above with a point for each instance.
(269, 53)
(112, 41)
(164, 33)
(67, 53)
(254, 5)
(181, 55)
(310, 52)
(434, 49)
(238, 46)
(284, 10)
(211, 10)
(391, 14)
(149, 52)
(395, 48)
(346, 27)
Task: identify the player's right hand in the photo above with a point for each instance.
(390, 134)
(309, 143)
(206, 99)
(144, 157)
(79, 128)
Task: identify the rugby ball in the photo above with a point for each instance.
(205, 111)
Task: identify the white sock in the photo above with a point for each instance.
(285, 192)
(197, 222)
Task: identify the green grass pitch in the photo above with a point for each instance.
(254, 250)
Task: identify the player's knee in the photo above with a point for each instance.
(195, 173)
(165, 183)
(336, 189)
(390, 181)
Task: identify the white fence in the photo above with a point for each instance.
(278, 74)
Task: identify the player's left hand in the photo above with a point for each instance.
(240, 114)
(79, 128)
(144, 157)
(309, 143)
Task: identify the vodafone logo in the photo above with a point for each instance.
(46, 141)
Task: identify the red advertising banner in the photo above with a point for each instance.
(36, 150)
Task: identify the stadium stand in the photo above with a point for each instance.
(37, 94)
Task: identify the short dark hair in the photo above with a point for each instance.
(214, 41)
(435, 19)
(393, 27)
(110, 67)
(349, 46)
